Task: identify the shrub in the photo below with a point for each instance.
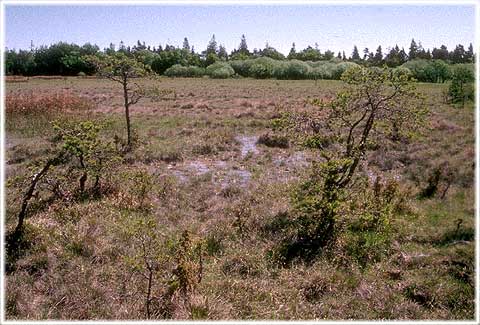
(220, 70)
(262, 68)
(402, 70)
(242, 67)
(461, 87)
(341, 68)
(178, 70)
(273, 141)
(418, 69)
(280, 70)
(317, 201)
(324, 70)
(428, 70)
(368, 235)
(297, 69)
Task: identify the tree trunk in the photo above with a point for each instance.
(28, 195)
(149, 292)
(127, 113)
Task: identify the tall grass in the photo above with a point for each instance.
(31, 112)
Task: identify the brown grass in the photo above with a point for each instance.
(45, 103)
(13, 79)
(49, 77)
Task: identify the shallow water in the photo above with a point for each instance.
(248, 143)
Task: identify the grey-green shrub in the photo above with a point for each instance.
(430, 70)
(220, 70)
(262, 68)
(297, 69)
(178, 70)
(242, 67)
(341, 68)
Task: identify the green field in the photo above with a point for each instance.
(197, 167)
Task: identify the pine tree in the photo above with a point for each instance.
(469, 54)
(365, 53)
(186, 45)
(458, 55)
(403, 56)
(212, 46)
(378, 57)
(440, 54)
(243, 48)
(293, 52)
(222, 52)
(412, 53)
(355, 54)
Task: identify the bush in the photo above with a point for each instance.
(220, 70)
(273, 141)
(178, 70)
(242, 67)
(262, 68)
(428, 70)
(368, 235)
(323, 70)
(341, 68)
(280, 70)
(461, 88)
(297, 69)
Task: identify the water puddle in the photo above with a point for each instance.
(248, 143)
(223, 173)
(239, 177)
(198, 167)
(296, 160)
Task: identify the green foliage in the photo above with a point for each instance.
(178, 70)
(81, 142)
(429, 70)
(220, 70)
(368, 216)
(296, 69)
(123, 69)
(341, 131)
(64, 59)
(461, 88)
(262, 68)
(188, 271)
(118, 66)
(167, 58)
(315, 205)
(242, 67)
(138, 185)
(147, 256)
(433, 181)
(21, 63)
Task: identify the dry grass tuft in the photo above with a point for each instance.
(27, 103)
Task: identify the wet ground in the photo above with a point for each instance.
(238, 171)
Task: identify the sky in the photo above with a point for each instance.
(337, 28)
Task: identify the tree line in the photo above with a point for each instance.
(69, 59)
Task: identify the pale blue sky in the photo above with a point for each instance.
(337, 28)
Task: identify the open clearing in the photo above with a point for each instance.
(212, 178)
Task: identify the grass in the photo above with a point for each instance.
(236, 199)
